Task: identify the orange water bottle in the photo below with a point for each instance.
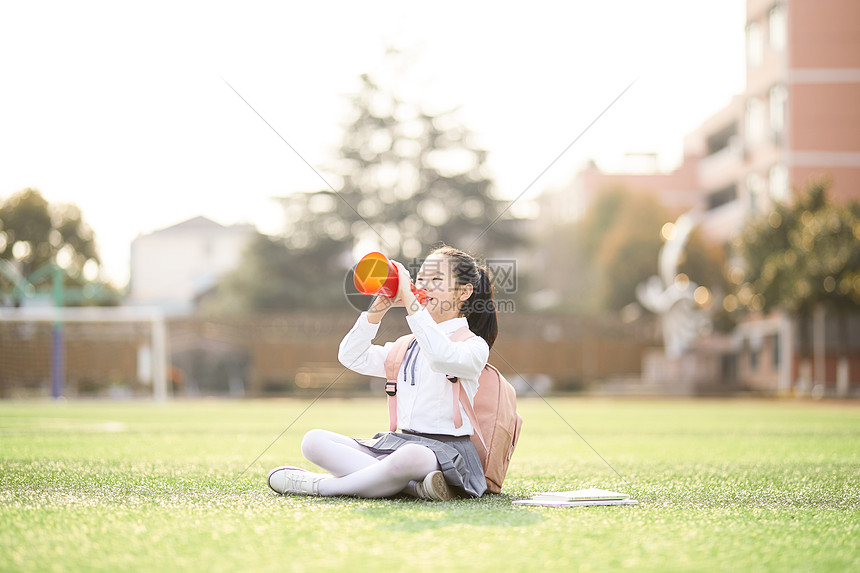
(375, 274)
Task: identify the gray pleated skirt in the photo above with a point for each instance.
(457, 456)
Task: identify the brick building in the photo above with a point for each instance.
(797, 119)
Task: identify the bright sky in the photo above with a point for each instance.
(121, 108)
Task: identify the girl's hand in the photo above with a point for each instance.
(381, 304)
(378, 308)
(404, 279)
(404, 289)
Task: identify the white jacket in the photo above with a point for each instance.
(424, 395)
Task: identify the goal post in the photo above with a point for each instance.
(125, 342)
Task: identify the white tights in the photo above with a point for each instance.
(358, 472)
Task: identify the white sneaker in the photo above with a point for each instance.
(434, 487)
(297, 481)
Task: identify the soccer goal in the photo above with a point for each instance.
(83, 352)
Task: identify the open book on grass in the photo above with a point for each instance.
(578, 497)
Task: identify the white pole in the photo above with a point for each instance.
(843, 377)
(818, 346)
(786, 354)
(159, 359)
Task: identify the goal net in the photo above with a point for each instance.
(83, 352)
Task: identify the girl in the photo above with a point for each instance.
(429, 458)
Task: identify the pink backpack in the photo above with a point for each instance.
(494, 415)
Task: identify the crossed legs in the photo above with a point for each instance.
(358, 472)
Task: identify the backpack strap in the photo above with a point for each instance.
(480, 443)
(459, 336)
(461, 398)
(392, 367)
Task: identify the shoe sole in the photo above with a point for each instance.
(437, 488)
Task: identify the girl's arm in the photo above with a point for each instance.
(463, 359)
(356, 351)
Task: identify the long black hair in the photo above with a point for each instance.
(480, 308)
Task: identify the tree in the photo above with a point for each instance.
(705, 263)
(406, 179)
(32, 232)
(600, 218)
(804, 257)
(35, 234)
(801, 256)
(597, 262)
(629, 251)
(415, 179)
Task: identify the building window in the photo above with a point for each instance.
(723, 196)
(754, 121)
(776, 356)
(778, 97)
(754, 45)
(776, 28)
(755, 186)
(729, 367)
(721, 139)
(778, 182)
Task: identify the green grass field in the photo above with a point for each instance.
(722, 485)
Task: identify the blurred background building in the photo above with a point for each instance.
(797, 120)
(171, 267)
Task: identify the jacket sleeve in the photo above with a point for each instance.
(463, 359)
(358, 354)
